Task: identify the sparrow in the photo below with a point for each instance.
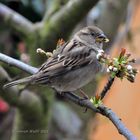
(72, 65)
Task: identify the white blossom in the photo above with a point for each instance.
(110, 68)
(129, 67)
(115, 69)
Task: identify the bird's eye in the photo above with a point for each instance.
(93, 34)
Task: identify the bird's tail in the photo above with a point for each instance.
(20, 81)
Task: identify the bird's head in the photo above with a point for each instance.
(92, 36)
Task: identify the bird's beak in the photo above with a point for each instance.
(102, 38)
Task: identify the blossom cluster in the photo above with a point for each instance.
(120, 66)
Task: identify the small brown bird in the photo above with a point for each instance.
(72, 65)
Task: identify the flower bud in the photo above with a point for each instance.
(123, 51)
(98, 56)
(39, 50)
(130, 78)
(135, 71)
(100, 51)
(132, 75)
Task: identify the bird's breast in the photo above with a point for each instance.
(76, 79)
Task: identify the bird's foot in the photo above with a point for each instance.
(84, 95)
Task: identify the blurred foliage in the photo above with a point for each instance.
(31, 9)
(37, 5)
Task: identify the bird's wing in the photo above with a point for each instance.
(64, 63)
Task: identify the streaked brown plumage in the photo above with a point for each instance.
(73, 65)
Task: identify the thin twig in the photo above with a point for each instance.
(107, 87)
(82, 102)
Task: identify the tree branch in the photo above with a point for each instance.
(86, 103)
(61, 23)
(79, 101)
(16, 21)
(52, 6)
(107, 87)
(13, 62)
(117, 122)
(104, 111)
